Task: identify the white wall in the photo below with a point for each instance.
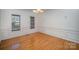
(0, 25)
(6, 23)
(61, 23)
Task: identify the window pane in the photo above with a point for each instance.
(32, 22)
(15, 22)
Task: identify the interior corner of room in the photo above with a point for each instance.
(61, 23)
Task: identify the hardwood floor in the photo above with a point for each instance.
(37, 41)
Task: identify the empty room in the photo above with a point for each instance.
(39, 29)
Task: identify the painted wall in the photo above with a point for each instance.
(6, 23)
(61, 23)
(0, 25)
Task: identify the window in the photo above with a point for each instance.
(15, 22)
(32, 22)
